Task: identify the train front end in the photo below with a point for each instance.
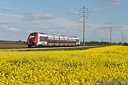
(32, 40)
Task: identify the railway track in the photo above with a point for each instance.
(24, 47)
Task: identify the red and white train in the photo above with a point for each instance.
(37, 39)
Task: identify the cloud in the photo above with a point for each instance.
(13, 29)
(45, 16)
(73, 12)
(116, 2)
(86, 20)
(9, 29)
(3, 27)
(6, 9)
(4, 22)
(94, 10)
(59, 26)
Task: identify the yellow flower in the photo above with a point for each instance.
(76, 67)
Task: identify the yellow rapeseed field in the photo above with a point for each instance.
(95, 66)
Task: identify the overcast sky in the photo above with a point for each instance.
(18, 18)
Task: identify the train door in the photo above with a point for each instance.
(43, 40)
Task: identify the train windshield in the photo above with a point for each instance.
(32, 36)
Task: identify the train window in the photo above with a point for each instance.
(43, 38)
(66, 40)
(77, 40)
(56, 40)
(40, 39)
(52, 41)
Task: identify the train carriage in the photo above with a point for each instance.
(37, 39)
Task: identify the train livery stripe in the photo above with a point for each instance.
(36, 39)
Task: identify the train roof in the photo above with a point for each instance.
(55, 34)
(39, 32)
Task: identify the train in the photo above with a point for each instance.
(38, 39)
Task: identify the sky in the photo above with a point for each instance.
(19, 18)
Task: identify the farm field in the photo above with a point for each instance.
(94, 66)
(12, 46)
